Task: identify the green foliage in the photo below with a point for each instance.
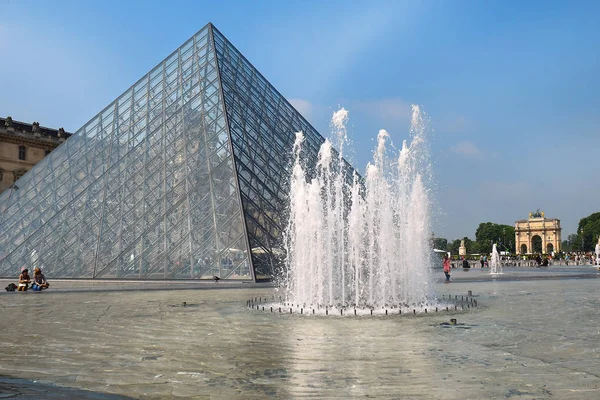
(453, 247)
(470, 245)
(536, 244)
(486, 235)
(473, 247)
(570, 243)
(440, 244)
(489, 233)
(590, 226)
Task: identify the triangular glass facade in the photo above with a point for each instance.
(184, 176)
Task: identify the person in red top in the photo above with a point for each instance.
(447, 267)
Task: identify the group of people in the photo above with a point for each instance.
(39, 280)
(581, 258)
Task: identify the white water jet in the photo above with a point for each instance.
(597, 251)
(361, 242)
(495, 266)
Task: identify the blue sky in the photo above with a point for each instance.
(512, 88)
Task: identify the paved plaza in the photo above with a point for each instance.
(534, 335)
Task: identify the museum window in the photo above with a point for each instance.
(22, 152)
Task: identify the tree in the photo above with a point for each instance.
(453, 248)
(475, 247)
(469, 244)
(489, 233)
(440, 244)
(536, 244)
(588, 230)
(570, 243)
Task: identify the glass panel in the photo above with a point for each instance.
(262, 125)
(129, 195)
(148, 188)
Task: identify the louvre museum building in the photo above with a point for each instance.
(184, 176)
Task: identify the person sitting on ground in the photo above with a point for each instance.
(538, 260)
(465, 263)
(24, 280)
(39, 280)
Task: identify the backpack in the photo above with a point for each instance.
(11, 287)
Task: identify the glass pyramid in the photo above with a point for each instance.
(184, 176)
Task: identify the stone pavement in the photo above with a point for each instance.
(530, 338)
(80, 285)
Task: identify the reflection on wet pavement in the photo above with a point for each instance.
(526, 339)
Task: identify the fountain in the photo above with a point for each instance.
(495, 266)
(597, 251)
(361, 243)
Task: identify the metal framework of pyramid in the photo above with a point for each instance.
(183, 176)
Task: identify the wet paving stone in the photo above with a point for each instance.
(528, 338)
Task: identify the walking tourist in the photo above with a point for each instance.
(39, 280)
(447, 267)
(481, 261)
(24, 280)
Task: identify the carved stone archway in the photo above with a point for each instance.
(548, 229)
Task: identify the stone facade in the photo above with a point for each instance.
(535, 229)
(22, 146)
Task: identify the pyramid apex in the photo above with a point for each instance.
(168, 202)
(212, 27)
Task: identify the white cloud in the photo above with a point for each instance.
(304, 107)
(466, 148)
(388, 109)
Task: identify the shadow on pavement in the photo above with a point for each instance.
(16, 388)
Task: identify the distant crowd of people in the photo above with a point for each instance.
(529, 260)
(581, 258)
